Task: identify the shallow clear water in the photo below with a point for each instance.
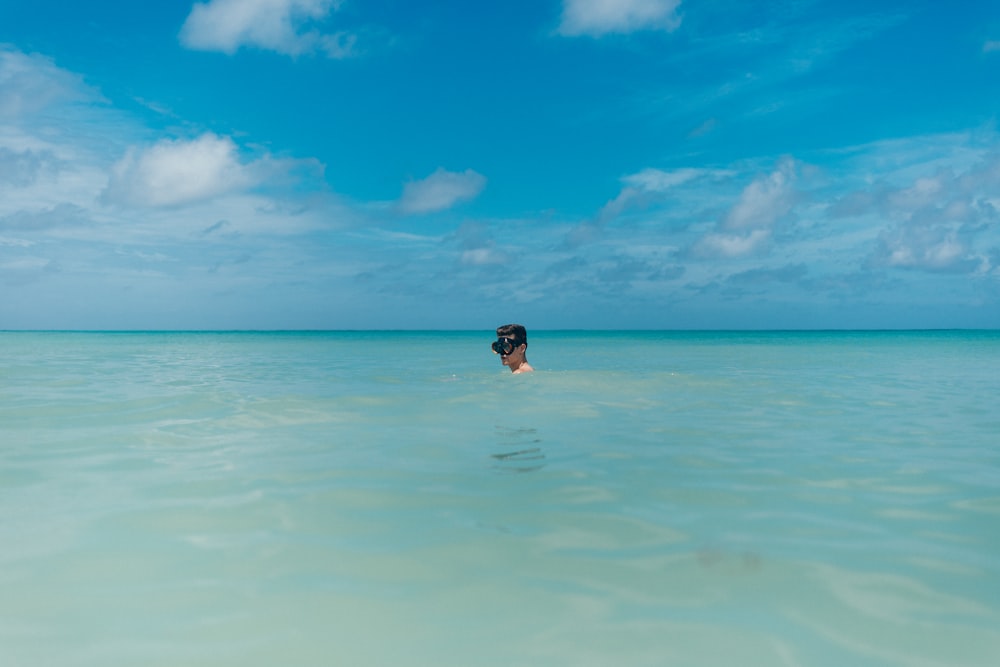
(401, 498)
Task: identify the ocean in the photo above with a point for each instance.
(400, 498)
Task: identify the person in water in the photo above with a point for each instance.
(511, 345)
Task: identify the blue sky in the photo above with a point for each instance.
(324, 164)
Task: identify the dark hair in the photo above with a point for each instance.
(515, 331)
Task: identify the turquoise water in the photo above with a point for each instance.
(402, 499)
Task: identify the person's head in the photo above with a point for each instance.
(511, 344)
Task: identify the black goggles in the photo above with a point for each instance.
(504, 346)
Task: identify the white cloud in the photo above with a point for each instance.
(930, 248)
(747, 225)
(992, 45)
(441, 190)
(599, 17)
(939, 255)
(731, 245)
(179, 172)
(273, 25)
(484, 257)
(943, 212)
(765, 200)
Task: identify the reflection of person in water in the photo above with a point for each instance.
(511, 345)
(521, 450)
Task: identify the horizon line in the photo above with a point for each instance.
(535, 329)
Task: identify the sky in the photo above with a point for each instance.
(565, 164)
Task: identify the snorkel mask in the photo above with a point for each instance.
(504, 346)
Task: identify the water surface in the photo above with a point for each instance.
(379, 498)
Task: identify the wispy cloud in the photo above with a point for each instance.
(31, 82)
(759, 63)
(59, 216)
(644, 186)
(283, 26)
(440, 191)
(991, 46)
(640, 190)
(599, 17)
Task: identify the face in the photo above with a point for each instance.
(508, 350)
